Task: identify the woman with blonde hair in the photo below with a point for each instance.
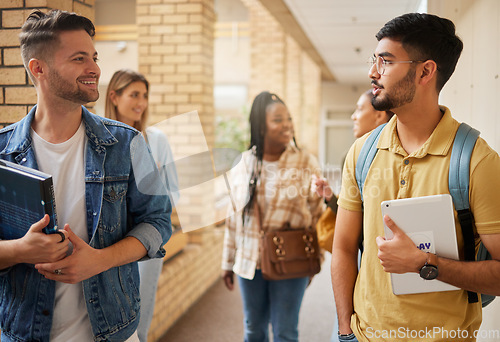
(127, 98)
(127, 101)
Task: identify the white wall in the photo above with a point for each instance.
(473, 92)
(112, 57)
(336, 134)
(335, 95)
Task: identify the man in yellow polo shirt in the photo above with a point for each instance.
(414, 58)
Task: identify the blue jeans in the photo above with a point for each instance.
(277, 302)
(335, 334)
(350, 338)
(149, 272)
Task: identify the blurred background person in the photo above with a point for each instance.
(127, 101)
(274, 165)
(367, 118)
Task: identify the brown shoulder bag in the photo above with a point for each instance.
(288, 253)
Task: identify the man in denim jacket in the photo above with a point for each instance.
(81, 284)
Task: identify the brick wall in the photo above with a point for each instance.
(311, 103)
(267, 51)
(293, 90)
(280, 65)
(175, 43)
(17, 95)
(176, 54)
(184, 280)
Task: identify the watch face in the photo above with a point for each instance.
(429, 272)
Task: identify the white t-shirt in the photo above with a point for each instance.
(65, 162)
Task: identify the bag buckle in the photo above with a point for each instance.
(307, 238)
(277, 240)
(280, 252)
(309, 249)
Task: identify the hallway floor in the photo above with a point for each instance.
(218, 315)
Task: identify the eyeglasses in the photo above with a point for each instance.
(380, 62)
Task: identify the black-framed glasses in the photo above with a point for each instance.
(380, 63)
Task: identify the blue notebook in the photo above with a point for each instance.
(26, 195)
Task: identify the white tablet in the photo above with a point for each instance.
(429, 222)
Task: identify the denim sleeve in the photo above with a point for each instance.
(148, 203)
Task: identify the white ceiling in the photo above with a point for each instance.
(343, 31)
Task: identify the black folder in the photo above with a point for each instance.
(26, 195)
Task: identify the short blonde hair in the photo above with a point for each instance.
(119, 82)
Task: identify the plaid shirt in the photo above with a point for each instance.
(292, 202)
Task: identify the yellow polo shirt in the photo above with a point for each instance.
(439, 316)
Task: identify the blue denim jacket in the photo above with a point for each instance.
(115, 208)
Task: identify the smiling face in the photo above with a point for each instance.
(132, 102)
(73, 74)
(279, 127)
(396, 87)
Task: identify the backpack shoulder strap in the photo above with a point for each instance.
(366, 156)
(458, 184)
(458, 178)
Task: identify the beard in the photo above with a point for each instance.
(404, 91)
(70, 91)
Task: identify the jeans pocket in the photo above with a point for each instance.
(348, 338)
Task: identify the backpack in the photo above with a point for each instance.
(458, 184)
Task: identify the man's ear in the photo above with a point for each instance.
(428, 71)
(37, 68)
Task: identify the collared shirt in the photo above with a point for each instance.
(292, 202)
(379, 314)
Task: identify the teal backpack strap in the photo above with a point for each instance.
(366, 156)
(461, 153)
(458, 183)
(363, 163)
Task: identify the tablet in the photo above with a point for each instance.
(429, 221)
